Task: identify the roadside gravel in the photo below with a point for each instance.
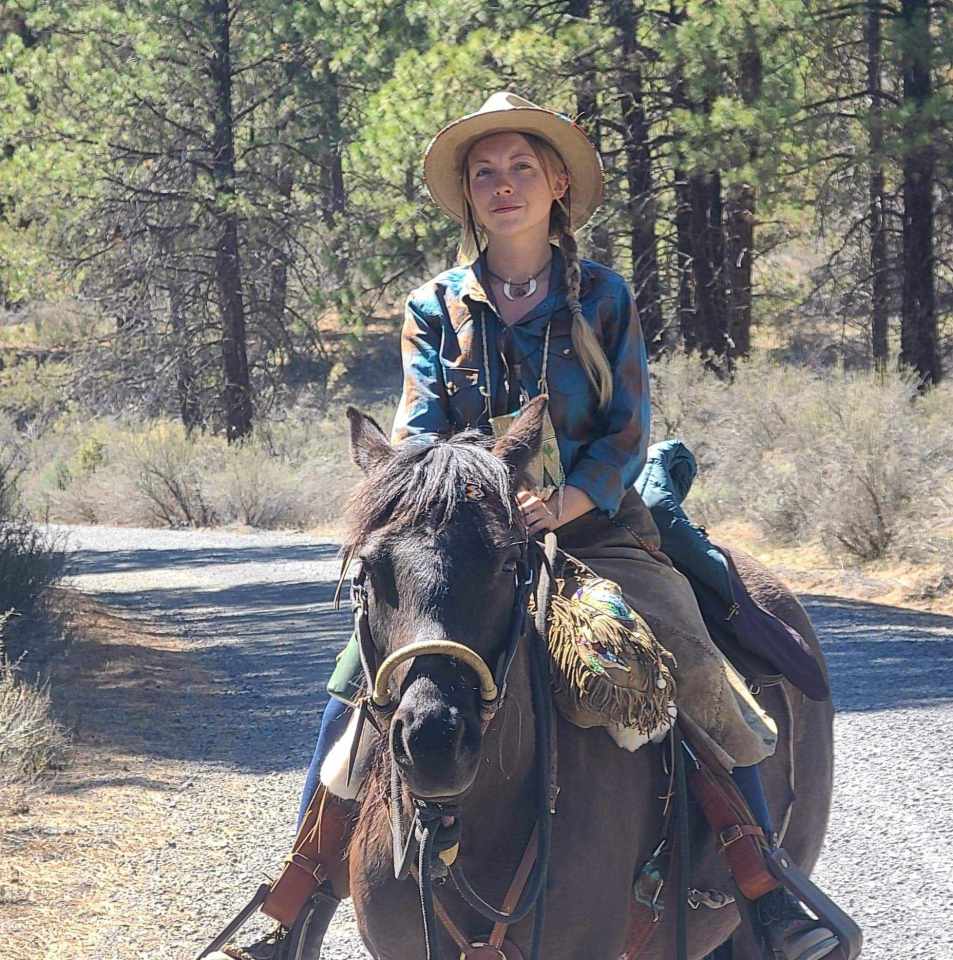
(256, 613)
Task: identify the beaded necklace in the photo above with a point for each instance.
(547, 469)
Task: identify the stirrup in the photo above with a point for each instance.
(306, 937)
(237, 923)
(848, 934)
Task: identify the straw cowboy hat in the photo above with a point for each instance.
(503, 112)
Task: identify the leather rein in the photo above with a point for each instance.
(435, 827)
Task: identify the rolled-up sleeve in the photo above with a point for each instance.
(423, 401)
(612, 461)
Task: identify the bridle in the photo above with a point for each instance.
(438, 844)
(492, 682)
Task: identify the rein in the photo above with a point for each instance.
(438, 842)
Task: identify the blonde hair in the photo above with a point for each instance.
(584, 339)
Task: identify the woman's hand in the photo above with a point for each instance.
(538, 514)
(541, 515)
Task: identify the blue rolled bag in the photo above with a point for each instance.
(753, 638)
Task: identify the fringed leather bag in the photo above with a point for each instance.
(609, 670)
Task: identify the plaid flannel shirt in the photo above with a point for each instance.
(602, 451)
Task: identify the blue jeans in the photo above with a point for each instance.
(748, 781)
(333, 724)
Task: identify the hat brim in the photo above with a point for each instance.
(443, 160)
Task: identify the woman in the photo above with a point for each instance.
(524, 315)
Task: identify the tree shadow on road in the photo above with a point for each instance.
(883, 657)
(100, 562)
(263, 651)
(244, 685)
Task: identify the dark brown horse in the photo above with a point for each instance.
(439, 534)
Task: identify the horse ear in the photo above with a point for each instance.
(369, 445)
(517, 447)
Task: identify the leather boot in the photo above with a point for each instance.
(312, 883)
(789, 931)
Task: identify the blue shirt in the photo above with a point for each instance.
(602, 451)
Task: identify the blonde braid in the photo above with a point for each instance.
(584, 339)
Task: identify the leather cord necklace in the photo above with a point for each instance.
(522, 289)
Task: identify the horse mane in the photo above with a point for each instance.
(428, 478)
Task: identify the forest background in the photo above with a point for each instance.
(212, 211)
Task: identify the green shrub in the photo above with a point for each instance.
(91, 455)
(31, 741)
(30, 561)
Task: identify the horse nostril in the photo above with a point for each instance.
(399, 744)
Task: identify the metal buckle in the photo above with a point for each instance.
(730, 835)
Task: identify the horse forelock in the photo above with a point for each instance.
(427, 480)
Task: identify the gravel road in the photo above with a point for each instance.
(257, 614)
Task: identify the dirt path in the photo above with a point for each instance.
(198, 683)
(199, 689)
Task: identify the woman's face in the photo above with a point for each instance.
(508, 186)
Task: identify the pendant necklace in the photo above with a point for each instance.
(522, 290)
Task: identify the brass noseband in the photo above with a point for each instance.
(447, 648)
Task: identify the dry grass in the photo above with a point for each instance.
(32, 743)
(292, 472)
(809, 568)
(68, 845)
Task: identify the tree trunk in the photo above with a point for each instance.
(684, 257)
(278, 279)
(918, 332)
(12, 23)
(708, 259)
(333, 197)
(587, 106)
(190, 410)
(684, 252)
(237, 392)
(641, 195)
(738, 261)
(876, 193)
(741, 214)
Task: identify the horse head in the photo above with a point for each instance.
(443, 554)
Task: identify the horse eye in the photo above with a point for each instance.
(509, 566)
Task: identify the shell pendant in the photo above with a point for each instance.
(519, 291)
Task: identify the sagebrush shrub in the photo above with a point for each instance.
(30, 561)
(31, 741)
(255, 489)
(857, 461)
(168, 473)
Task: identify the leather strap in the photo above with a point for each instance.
(498, 934)
(642, 926)
(740, 839)
(738, 831)
(513, 894)
(316, 859)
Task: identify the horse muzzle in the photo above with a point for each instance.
(435, 735)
